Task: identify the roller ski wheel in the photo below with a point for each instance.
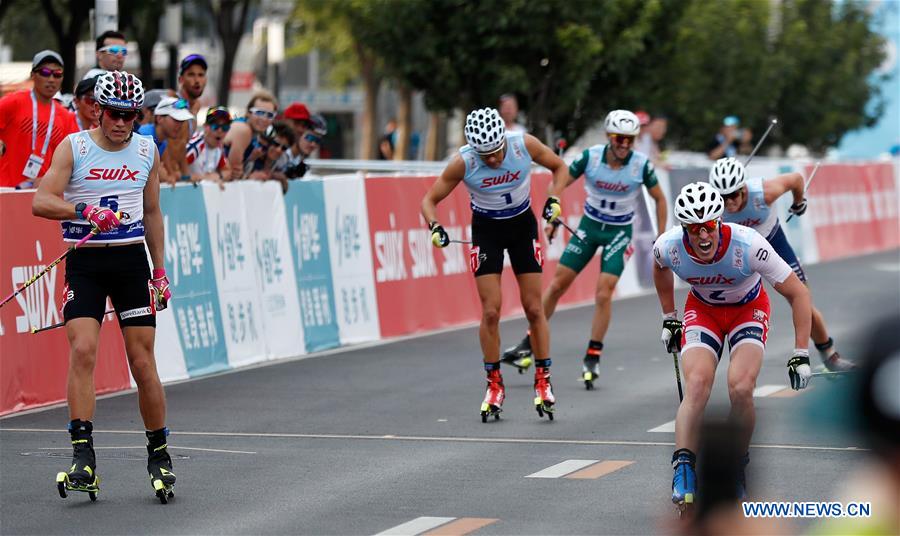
(543, 392)
(519, 356)
(163, 492)
(64, 484)
(685, 510)
(544, 407)
(159, 466)
(490, 410)
(590, 371)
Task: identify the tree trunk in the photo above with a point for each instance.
(372, 84)
(67, 35)
(404, 123)
(435, 140)
(230, 32)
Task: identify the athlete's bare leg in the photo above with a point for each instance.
(84, 337)
(746, 360)
(530, 294)
(151, 397)
(606, 286)
(562, 280)
(819, 332)
(699, 366)
(489, 331)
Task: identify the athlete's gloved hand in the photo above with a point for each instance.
(161, 292)
(798, 369)
(552, 209)
(102, 219)
(439, 236)
(671, 333)
(798, 209)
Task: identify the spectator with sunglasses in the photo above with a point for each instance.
(614, 177)
(724, 264)
(170, 134)
(112, 49)
(32, 124)
(205, 153)
(242, 143)
(273, 143)
(87, 113)
(292, 164)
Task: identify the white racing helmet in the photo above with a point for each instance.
(622, 122)
(119, 90)
(485, 130)
(698, 202)
(727, 175)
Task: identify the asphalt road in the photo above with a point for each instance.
(388, 437)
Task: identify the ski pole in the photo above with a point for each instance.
(57, 325)
(760, 142)
(806, 186)
(678, 377)
(47, 268)
(460, 241)
(827, 373)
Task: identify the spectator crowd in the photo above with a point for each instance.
(195, 143)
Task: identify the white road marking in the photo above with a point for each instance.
(170, 446)
(887, 267)
(437, 439)
(766, 390)
(562, 469)
(668, 427)
(416, 526)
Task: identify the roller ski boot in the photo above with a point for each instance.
(494, 395)
(832, 359)
(543, 389)
(519, 355)
(159, 465)
(684, 481)
(82, 476)
(742, 478)
(590, 367)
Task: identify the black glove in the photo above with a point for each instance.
(798, 209)
(439, 236)
(799, 371)
(552, 209)
(671, 334)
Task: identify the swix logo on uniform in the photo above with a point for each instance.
(717, 279)
(538, 252)
(750, 222)
(68, 295)
(509, 176)
(108, 174)
(759, 315)
(476, 257)
(611, 186)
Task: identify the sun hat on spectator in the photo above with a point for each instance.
(218, 114)
(173, 107)
(152, 97)
(46, 56)
(731, 121)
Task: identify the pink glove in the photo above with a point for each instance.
(161, 292)
(102, 219)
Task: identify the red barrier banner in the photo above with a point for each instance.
(853, 209)
(33, 367)
(420, 287)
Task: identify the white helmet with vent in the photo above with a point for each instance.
(727, 175)
(119, 90)
(485, 130)
(698, 202)
(622, 122)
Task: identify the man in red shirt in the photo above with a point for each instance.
(26, 116)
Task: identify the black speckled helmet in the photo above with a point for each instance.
(485, 130)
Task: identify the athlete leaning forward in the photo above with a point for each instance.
(502, 220)
(104, 182)
(724, 263)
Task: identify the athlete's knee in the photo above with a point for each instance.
(490, 315)
(740, 389)
(534, 311)
(143, 368)
(604, 294)
(83, 351)
(698, 387)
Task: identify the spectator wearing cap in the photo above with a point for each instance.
(242, 142)
(727, 141)
(170, 134)
(192, 80)
(111, 50)
(205, 151)
(297, 115)
(292, 164)
(32, 124)
(274, 142)
(151, 100)
(87, 112)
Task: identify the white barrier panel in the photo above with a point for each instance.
(351, 258)
(264, 204)
(236, 277)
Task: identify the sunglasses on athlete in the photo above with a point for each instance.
(312, 138)
(126, 116)
(621, 139)
(115, 50)
(695, 228)
(47, 72)
(259, 112)
(733, 195)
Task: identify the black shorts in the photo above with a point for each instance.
(517, 235)
(120, 272)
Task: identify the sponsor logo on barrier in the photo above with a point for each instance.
(107, 174)
(422, 252)
(509, 176)
(37, 302)
(391, 265)
(140, 311)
